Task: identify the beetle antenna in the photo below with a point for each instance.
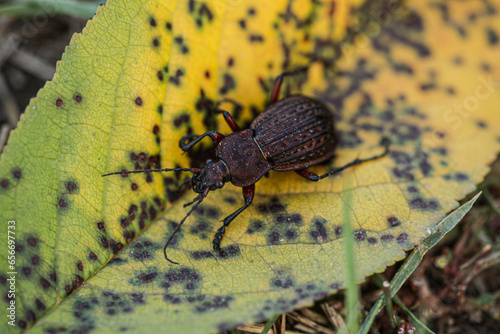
(125, 172)
(198, 200)
(184, 183)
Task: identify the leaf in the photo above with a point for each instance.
(143, 74)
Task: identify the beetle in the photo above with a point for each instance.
(291, 134)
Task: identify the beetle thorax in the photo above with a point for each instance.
(212, 176)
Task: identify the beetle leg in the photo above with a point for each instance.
(314, 177)
(230, 121)
(307, 174)
(227, 116)
(185, 144)
(248, 195)
(275, 94)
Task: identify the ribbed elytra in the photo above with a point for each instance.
(290, 135)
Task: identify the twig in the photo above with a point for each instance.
(4, 135)
(32, 64)
(8, 46)
(8, 101)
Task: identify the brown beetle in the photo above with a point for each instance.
(290, 135)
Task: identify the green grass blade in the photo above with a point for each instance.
(269, 324)
(416, 256)
(352, 290)
(421, 327)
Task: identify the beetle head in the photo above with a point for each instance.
(212, 176)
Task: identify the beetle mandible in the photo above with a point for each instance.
(291, 134)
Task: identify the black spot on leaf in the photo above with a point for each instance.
(402, 238)
(291, 235)
(359, 235)
(45, 284)
(215, 303)
(32, 241)
(63, 203)
(274, 238)
(160, 76)
(282, 283)
(104, 242)
(492, 36)
(101, 226)
(125, 222)
(30, 315)
(230, 251)
(423, 204)
(387, 237)
(79, 265)
(26, 271)
(4, 183)
(200, 255)
(40, 305)
(71, 186)
(393, 222)
(17, 173)
(93, 256)
(147, 278)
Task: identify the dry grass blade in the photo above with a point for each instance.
(335, 319)
(314, 316)
(283, 324)
(257, 329)
(310, 324)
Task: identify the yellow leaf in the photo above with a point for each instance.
(144, 74)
